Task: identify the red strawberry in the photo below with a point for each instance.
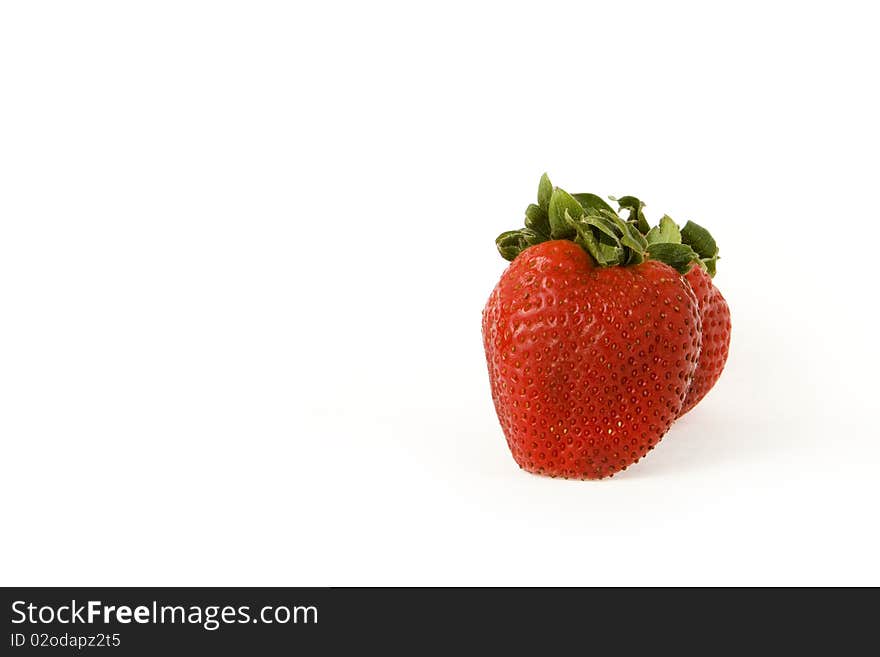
(591, 347)
(715, 320)
(714, 313)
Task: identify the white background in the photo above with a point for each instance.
(244, 248)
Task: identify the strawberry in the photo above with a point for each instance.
(715, 318)
(592, 336)
(714, 312)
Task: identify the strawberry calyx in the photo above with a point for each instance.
(611, 240)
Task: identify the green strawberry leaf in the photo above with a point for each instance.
(630, 236)
(587, 240)
(700, 239)
(538, 220)
(609, 239)
(591, 203)
(560, 203)
(666, 231)
(603, 224)
(610, 250)
(545, 191)
(636, 215)
(512, 242)
(604, 248)
(678, 256)
(709, 264)
(634, 257)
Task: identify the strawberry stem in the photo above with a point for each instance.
(610, 239)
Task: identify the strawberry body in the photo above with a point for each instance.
(588, 366)
(715, 321)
